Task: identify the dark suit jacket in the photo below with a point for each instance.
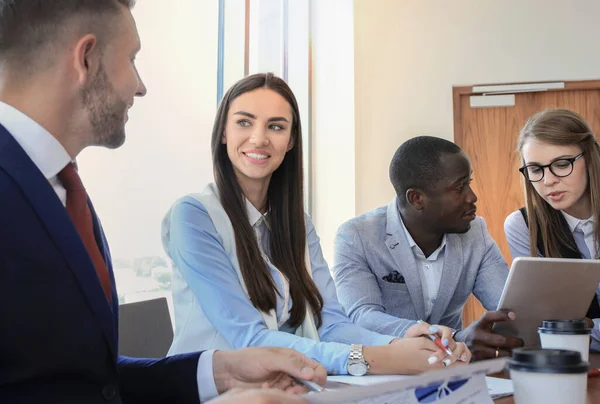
(58, 334)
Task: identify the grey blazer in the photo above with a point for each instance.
(371, 246)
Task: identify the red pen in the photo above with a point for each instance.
(438, 341)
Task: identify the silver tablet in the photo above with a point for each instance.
(540, 289)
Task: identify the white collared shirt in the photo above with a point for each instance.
(587, 227)
(430, 269)
(49, 156)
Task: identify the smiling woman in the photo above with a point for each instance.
(258, 136)
(259, 115)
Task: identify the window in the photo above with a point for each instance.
(280, 44)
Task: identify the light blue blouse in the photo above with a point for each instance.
(197, 251)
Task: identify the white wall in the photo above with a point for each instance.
(333, 169)
(409, 54)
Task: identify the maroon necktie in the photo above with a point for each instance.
(80, 213)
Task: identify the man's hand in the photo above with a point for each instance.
(265, 367)
(483, 343)
(265, 396)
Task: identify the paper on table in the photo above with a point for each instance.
(334, 382)
(496, 387)
(464, 384)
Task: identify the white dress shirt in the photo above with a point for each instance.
(430, 270)
(43, 149)
(587, 227)
(50, 157)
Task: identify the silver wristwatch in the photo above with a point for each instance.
(357, 365)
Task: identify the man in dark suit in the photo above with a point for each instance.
(67, 80)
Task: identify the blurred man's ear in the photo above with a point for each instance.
(86, 58)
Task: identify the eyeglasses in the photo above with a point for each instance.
(559, 168)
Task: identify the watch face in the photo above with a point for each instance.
(357, 369)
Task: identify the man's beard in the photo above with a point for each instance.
(106, 111)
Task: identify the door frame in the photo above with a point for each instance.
(460, 91)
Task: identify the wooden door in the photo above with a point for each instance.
(488, 136)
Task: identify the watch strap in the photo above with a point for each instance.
(356, 354)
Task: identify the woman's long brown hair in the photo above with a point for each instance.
(558, 127)
(285, 200)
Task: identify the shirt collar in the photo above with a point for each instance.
(49, 156)
(412, 244)
(254, 215)
(573, 222)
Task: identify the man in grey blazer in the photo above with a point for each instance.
(421, 256)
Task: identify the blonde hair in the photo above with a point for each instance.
(558, 127)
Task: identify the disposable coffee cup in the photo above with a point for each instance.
(566, 334)
(548, 376)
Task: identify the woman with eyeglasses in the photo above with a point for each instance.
(561, 172)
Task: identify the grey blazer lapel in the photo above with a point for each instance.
(397, 245)
(453, 265)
